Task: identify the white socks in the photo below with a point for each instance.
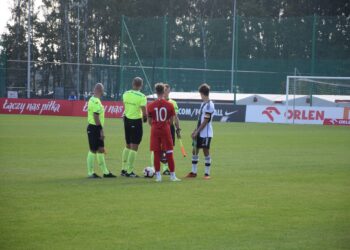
(207, 164)
(194, 163)
(207, 161)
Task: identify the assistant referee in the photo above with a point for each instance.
(134, 114)
(96, 119)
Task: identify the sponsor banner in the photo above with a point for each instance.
(56, 107)
(223, 112)
(12, 94)
(337, 122)
(300, 115)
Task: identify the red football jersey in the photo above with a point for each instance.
(161, 111)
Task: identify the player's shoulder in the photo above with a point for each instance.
(125, 95)
(169, 103)
(149, 104)
(172, 100)
(210, 106)
(170, 107)
(142, 94)
(94, 100)
(137, 94)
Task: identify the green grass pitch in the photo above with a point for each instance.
(273, 187)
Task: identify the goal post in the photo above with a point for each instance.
(315, 91)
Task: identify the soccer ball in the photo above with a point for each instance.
(148, 172)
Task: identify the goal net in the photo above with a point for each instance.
(316, 91)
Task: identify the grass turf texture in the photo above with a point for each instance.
(273, 187)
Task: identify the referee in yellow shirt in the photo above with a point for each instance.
(96, 119)
(134, 114)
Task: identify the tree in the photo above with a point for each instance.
(199, 34)
(14, 44)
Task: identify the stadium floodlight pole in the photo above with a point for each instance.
(165, 26)
(79, 4)
(29, 52)
(233, 88)
(78, 57)
(121, 57)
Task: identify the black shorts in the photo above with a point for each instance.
(203, 142)
(133, 131)
(172, 130)
(94, 137)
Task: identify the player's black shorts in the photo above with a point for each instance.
(203, 142)
(94, 137)
(133, 130)
(172, 130)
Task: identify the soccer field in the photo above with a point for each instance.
(273, 187)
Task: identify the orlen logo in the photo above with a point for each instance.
(297, 114)
(270, 111)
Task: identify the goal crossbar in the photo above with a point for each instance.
(313, 79)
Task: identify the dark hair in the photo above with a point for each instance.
(159, 87)
(204, 89)
(137, 82)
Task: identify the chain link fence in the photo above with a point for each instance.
(188, 51)
(3, 74)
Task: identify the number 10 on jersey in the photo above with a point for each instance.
(161, 114)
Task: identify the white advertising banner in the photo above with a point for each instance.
(300, 115)
(12, 94)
